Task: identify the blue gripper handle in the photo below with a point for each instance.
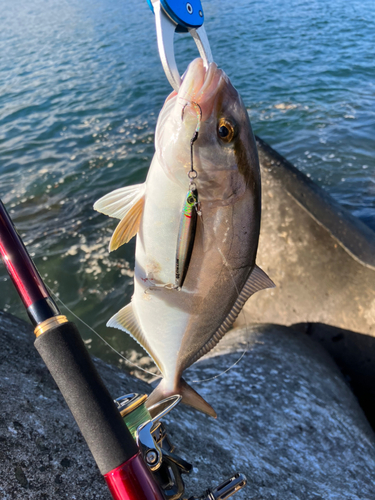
(185, 13)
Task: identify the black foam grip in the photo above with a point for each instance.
(101, 424)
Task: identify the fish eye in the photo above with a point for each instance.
(225, 130)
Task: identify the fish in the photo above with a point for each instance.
(177, 325)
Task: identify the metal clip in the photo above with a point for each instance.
(165, 29)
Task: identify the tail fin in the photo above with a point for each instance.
(189, 397)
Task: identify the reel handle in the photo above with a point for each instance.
(225, 489)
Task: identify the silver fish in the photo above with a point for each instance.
(176, 326)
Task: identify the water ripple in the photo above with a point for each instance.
(81, 89)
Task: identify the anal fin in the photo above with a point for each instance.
(126, 321)
(258, 280)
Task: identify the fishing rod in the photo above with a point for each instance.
(65, 355)
(128, 441)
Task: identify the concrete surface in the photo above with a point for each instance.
(354, 354)
(321, 258)
(286, 418)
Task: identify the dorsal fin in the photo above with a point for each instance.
(118, 202)
(258, 280)
(128, 227)
(126, 321)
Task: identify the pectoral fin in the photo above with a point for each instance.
(117, 203)
(126, 321)
(128, 227)
(258, 280)
(125, 204)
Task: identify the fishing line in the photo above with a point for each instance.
(99, 336)
(232, 366)
(193, 173)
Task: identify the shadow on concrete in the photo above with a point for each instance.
(354, 354)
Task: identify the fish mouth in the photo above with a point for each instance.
(200, 86)
(195, 103)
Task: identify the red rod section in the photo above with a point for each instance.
(133, 481)
(18, 262)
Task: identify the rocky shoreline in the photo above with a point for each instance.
(286, 418)
(288, 413)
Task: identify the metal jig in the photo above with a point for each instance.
(188, 219)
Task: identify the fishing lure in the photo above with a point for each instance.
(186, 235)
(188, 220)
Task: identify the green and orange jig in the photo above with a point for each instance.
(190, 211)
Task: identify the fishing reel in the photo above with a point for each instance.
(159, 454)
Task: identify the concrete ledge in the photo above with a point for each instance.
(321, 258)
(286, 418)
(350, 232)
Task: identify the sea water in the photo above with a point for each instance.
(81, 86)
